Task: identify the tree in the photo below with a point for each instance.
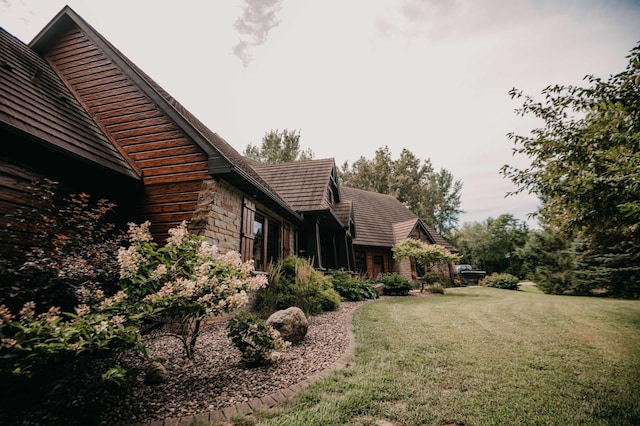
(585, 168)
(370, 175)
(493, 244)
(549, 260)
(278, 147)
(425, 255)
(434, 197)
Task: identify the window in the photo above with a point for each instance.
(361, 262)
(258, 241)
(261, 237)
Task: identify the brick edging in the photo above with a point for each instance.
(271, 400)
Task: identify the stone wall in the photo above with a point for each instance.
(218, 214)
(403, 267)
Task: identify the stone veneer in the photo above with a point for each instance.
(403, 267)
(218, 214)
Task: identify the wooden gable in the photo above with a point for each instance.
(169, 148)
(171, 166)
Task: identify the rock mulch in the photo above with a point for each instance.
(216, 385)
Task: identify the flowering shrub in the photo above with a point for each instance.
(258, 342)
(184, 281)
(29, 342)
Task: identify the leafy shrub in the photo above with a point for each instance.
(258, 342)
(182, 282)
(435, 288)
(186, 280)
(433, 278)
(30, 343)
(351, 289)
(71, 248)
(503, 281)
(394, 284)
(294, 282)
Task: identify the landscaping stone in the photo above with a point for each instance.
(291, 323)
(156, 374)
(379, 288)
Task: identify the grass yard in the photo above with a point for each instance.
(481, 356)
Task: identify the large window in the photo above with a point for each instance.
(261, 237)
(258, 241)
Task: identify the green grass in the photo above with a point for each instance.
(482, 356)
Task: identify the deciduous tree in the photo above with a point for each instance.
(585, 168)
(493, 244)
(278, 147)
(434, 197)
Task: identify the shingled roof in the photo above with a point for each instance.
(383, 221)
(37, 104)
(302, 184)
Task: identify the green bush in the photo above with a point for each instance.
(435, 288)
(294, 282)
(433, 278)
(351, 289)
(503, 281)
(394, 284)
(258, 342)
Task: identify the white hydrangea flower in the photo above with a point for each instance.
(139, 233)
(178, 235)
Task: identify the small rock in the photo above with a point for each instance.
(156, 374)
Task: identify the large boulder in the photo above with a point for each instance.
(291, 323)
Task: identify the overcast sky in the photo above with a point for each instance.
(352, 76)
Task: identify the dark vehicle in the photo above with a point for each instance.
(468, 275)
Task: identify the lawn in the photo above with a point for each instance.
(480, 356)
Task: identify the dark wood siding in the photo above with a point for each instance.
(27, 162)
(171, 165)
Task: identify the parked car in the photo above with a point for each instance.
(468, 275)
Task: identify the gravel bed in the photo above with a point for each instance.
(217, 378)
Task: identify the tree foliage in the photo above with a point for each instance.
(278, 147)
(426, 255)
(585, 168)
(433, 196)
(493, 244)
(549, 260)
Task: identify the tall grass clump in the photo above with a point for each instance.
(294, 282)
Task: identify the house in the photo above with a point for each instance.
(75, 110)
(382, 222)
(311, 189)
